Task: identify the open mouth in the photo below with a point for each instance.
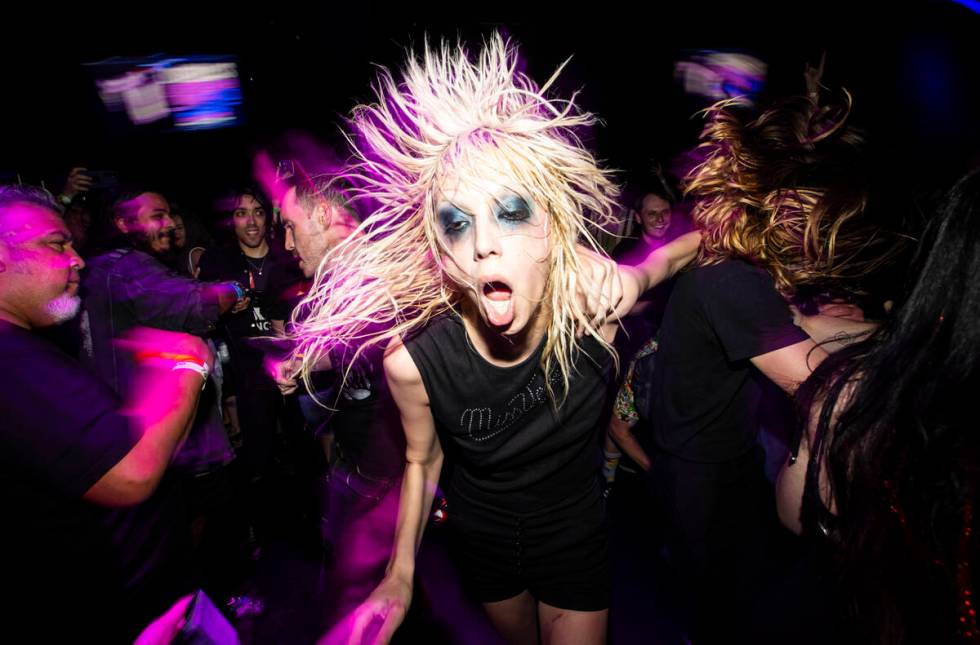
(498, 302)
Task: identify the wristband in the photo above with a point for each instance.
(201, 369)
(239, 292)
(170, 356)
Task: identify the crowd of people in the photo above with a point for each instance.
(470, 325)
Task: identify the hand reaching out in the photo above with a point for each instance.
(377, 618)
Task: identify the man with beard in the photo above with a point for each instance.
(77, 468)
(127, 287)
(130, 286)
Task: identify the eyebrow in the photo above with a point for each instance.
(449, 208)
(55, 233)
(509, 199)
(499, 199)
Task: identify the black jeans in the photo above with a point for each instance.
(718, 522)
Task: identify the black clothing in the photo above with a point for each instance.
(514, 450)
(266, 279)
(259, 403)
(128, 288)
(367, 426)
(70, 564)
(708, 473)
(559, 554)
(705, 388)
(524, 501)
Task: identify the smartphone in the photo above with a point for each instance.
(205, 625)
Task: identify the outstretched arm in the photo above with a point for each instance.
(659, 265)
(610, 290)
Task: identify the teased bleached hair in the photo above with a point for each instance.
(451, 115)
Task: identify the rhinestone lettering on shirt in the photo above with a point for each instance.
(483, 423)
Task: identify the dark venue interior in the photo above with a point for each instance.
(263, 518)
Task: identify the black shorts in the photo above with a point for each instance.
(558, 554)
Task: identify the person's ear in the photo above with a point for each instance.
(321, 216)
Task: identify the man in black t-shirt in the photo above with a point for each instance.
(780, 201)
(719, 318)
(76, 474)
(266, 274)
(726, 328)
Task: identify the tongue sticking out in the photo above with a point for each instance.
(498, 302)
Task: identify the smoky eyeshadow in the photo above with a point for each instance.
(513, 208)
(452, 219)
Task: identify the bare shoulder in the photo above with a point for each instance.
(400, 369)
(408, 391)
(609, 329)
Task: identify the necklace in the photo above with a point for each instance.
(261, 265)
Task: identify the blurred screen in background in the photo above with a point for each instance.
(172, 93)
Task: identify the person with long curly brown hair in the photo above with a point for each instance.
(779, 202)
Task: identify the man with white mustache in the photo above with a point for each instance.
(80, 472)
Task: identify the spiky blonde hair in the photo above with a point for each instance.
(450, 116)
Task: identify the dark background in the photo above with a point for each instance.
(913, 71)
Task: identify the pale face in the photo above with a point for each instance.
(38, 267)
(654, 216)
(311, 235)
(249, 221)
(497, 250)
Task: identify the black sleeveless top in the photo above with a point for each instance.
(510, 448)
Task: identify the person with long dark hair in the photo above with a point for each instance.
(887, 471)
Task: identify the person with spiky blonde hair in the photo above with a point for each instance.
(478, 273)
